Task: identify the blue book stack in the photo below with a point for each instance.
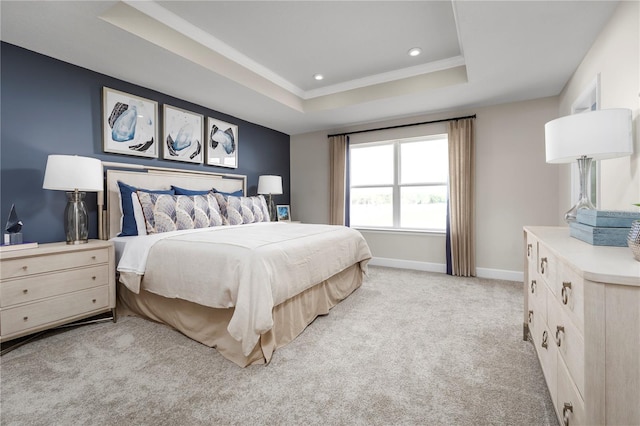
(603, 227)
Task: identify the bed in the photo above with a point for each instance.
(245, 289)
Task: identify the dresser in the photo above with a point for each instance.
(582, 313)
(55, 284)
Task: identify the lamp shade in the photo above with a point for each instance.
(597, 134)
(269, 184)
(71, 172)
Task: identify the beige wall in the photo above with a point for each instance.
(615, 55)
(515, 187)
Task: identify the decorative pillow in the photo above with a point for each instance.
(246, 210)
(164, 213)
(129, 226)
(183, 191)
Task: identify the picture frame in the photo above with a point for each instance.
(182, 135)
(283, 213)
(129, 124)
(222, 143)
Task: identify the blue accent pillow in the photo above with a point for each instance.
(183, 191)
(238, 193)
(129, 226)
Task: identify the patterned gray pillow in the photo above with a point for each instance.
(241, 210)
(164, 212)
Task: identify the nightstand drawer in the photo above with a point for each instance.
(14, 320)
(14, 268)
(38, 287)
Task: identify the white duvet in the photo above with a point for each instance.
(250, 267)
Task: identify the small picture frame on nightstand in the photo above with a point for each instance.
(284, 213)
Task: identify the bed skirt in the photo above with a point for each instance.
(209, 325)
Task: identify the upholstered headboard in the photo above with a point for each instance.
(155, 178)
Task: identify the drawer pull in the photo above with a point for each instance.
(529, 250)
(568, 408)
(24, 268)
(25, 319)
(25, 291)
(566, 286)
(533, 286)
(545, 337)
(530, 316)
(558, 339)
(543, 264)
(93, 258)
(93, 277)
(93, 300)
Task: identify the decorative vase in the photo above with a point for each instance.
(633, 240)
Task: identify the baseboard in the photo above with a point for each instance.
(496, 274)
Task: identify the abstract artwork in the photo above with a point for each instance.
(129, 124)
(222, 143)
(182, 135)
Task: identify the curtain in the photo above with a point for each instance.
(461, 212)
(338, 179)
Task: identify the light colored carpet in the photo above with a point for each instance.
(407, 348)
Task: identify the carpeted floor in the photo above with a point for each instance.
(407, 348)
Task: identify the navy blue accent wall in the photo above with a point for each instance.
(52, 107)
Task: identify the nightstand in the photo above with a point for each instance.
(55, 284)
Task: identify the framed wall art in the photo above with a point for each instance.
(129, 124)
(222, 143)
(182, 135)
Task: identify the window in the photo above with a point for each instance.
(399, 184)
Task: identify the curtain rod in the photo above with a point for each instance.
(403, 125)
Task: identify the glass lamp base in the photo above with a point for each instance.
(76, 220)
(584, 167)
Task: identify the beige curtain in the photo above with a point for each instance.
(337, 179)
(462, 197)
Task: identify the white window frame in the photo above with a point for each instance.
(397, 185)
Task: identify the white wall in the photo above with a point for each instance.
(515, 187)
(615, 55)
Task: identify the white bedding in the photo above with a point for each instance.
(250, 267)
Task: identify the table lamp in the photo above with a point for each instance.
(76, 175)
(584, 137)
(270, 185)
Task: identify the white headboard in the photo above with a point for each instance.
(155, 178)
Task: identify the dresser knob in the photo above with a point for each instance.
(25, 318)
(543, 264)
(530, 316)
(559, 329)
(533, 286)
(568, 408)
(94, 300)
(25, 291)
(545, 338)
(566, 286)
(24, 268)
(93, 278)
(93, 258)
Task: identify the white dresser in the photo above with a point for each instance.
(55, 284)
(582, 312)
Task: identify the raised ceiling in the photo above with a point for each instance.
(256, 59)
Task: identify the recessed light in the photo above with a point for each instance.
(415, 51)
(318, 76)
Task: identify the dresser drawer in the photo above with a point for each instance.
(547, 266)
(570, 293)
(569, 341)
(24, 317)
(569, 404)
(548, 356)
(36, 287)
(14, 268)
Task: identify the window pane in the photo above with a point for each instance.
(424, 161)
(423, 207)
(372, 165)
(371, 207)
